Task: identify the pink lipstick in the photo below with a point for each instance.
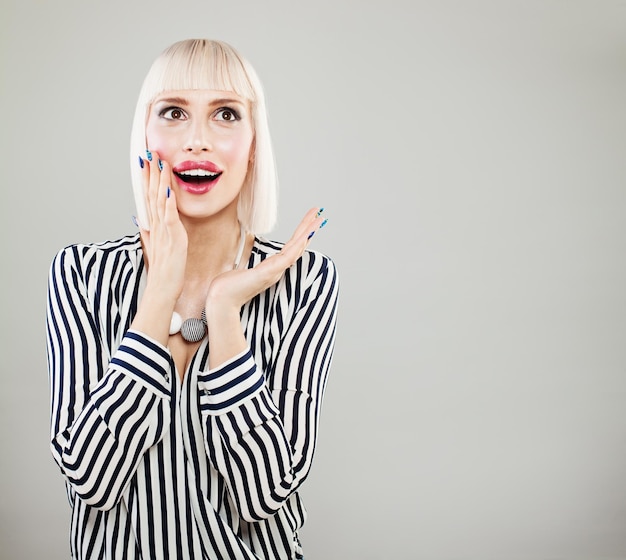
(197, 177)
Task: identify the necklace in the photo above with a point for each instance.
(194, 329)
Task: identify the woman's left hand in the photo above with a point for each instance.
(230, 290)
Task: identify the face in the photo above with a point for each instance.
(206, 136)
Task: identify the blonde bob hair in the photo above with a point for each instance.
(207, 64)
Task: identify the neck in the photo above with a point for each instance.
(212, 246)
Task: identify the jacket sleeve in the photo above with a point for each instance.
(261, 422)
(105, 411)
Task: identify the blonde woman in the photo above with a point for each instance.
(188, 361)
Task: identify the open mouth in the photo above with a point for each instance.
(198, 177)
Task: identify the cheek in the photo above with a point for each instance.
(237, 148)
(156, 141)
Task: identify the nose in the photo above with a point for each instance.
(199, 139)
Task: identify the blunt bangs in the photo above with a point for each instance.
(199, 64)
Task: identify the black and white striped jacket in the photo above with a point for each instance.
(203, 468)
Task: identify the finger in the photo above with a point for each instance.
(295, 247)
(306, 233)
(307, 222)
(312, 222)
(145, 181)
(160, 179)
(164, 187)
(170, 212)
(154, 177)
(318, 224)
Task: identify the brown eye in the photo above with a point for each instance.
(173, 114)
(227, 115)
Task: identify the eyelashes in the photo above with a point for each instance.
(223, 114)
(173, 114)
(227, 114)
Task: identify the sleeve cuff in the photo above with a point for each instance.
(231, 384)
(145, 360)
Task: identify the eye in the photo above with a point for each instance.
(227, 114)
(173, 113)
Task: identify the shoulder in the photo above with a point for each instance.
(86, 256)
(123, 245)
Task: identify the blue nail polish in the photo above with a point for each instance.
(134, 218)
(319, 212)
(168, 192)
(149, 155)
(141, 162)
(323, 223)
(160, 165)
(311, 235)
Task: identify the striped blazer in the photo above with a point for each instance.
(206, 467)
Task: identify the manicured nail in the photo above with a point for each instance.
(160, 165)
(168, 192)
(149, 155)
(323, 223)
(134, 218)
(319, 212)
(141, 162)
(311, 235)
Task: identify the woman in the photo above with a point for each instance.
(188, 362)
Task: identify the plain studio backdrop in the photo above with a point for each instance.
(471, 159)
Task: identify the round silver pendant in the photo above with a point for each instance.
(193, 330)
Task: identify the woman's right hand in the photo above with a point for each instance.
(165, 251)
(165, 242)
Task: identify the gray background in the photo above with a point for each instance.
(471, 157)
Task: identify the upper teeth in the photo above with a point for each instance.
(197, 173)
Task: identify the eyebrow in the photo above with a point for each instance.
(226, 101)
(184, 101)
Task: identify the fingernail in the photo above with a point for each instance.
(141, 162)
(323, 223)
(168, 192)
(149, 155)
(134, 218)
(311, 235)
(160, 165)
(319, 212)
